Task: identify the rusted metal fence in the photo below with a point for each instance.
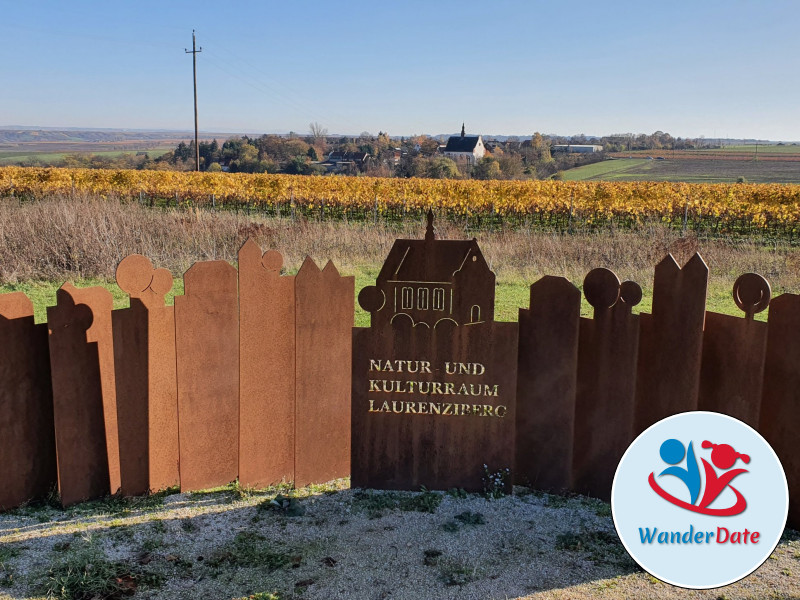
(246, 377)
(249, 376)
(588, 387)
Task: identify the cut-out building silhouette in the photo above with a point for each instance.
(429, 282)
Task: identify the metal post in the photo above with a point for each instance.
(571, 203)
(194, 51)
(685, 216)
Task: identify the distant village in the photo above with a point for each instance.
(465, 155)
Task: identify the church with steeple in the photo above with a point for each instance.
(465, 148)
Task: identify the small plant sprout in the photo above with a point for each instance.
(495, 483)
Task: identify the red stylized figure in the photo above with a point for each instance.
(724, 457)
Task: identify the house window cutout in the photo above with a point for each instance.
(422, 298)
(407, 298)
(475, 314)
(438, 299)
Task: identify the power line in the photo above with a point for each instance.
(277, 88)
(224, 68)
(272, 85)
(194, 51)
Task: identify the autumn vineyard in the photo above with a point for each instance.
(767, 209)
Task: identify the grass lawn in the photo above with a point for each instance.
(509, 298)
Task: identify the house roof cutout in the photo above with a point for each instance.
(431, 280)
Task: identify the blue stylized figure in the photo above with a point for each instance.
(672, 452)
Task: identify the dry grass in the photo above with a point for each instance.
(85, 237)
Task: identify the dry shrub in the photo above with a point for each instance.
(85, 236)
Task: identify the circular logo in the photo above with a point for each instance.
(700, 500)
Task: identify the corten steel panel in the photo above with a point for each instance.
(131, 357)
(607, 353)
(102, 304)
(144, 355)
(397, 442)
(546, 384)
(780, 403)
(733, 354)
(324, 304)
(671, 342)
(27, 438)
(79, 407)
(267, 372)
(207, 349)
(433, 301)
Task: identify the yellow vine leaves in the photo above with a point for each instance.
(759, 205)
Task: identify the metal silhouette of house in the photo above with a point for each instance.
(429, 282)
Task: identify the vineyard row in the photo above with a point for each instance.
(747, 208)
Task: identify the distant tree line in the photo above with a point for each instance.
(414, 156)
(628, 141)
(382, 156)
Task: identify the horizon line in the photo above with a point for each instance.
(339, 134)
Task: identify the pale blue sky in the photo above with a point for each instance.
(714, 68)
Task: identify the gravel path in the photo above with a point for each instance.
(330, 542)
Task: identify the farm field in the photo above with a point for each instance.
(742, 152)
(789, 152)
(604, 170)
(50, 147)
(786, 148)
(756, 164)
(12, 157)
(690, 169)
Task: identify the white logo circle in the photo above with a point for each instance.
(700, 500)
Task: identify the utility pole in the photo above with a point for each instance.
(194, 52)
